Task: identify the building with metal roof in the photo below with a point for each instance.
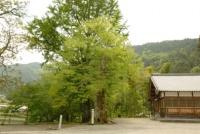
(175, 95)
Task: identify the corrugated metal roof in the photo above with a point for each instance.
(176, 83)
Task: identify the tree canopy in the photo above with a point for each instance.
(62, 20)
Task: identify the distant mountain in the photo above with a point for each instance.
(26, 72)
(167, 46)
(181, 55)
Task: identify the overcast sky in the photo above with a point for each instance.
(148, 20)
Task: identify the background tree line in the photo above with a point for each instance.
(179, 56)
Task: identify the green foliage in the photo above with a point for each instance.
(62, 20)
(195, 69)
(97, 70)
(35, 97)
(132, 100)
(165, 68)
(97, 60)
(199, 42)
(182, 55)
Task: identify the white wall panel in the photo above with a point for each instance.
(196, 93)
(189, 94)
(171, 94)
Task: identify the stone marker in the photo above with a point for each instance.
(60, 122)
(92, 116)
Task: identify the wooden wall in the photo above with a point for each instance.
(179, 106)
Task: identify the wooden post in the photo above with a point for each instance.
(193, 105)
(92, 116)
(179, 103)
(60, 122)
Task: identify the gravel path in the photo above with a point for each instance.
(123, 126)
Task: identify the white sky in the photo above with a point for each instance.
(148, 20)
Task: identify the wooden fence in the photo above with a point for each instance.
(12, 118)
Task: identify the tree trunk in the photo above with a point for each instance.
(101, 113)
(86, 108)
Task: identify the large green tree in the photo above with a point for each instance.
(62, 20)
(95, 67)
(96, 61)
(87, 44)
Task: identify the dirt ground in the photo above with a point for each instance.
(121, 126)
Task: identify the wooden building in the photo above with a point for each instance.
(175, 95)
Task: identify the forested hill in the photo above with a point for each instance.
(167, 46)
(178, 56)
(26, 72)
